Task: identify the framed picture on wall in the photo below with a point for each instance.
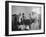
(24, 18)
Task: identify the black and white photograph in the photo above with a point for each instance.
(25, 18)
